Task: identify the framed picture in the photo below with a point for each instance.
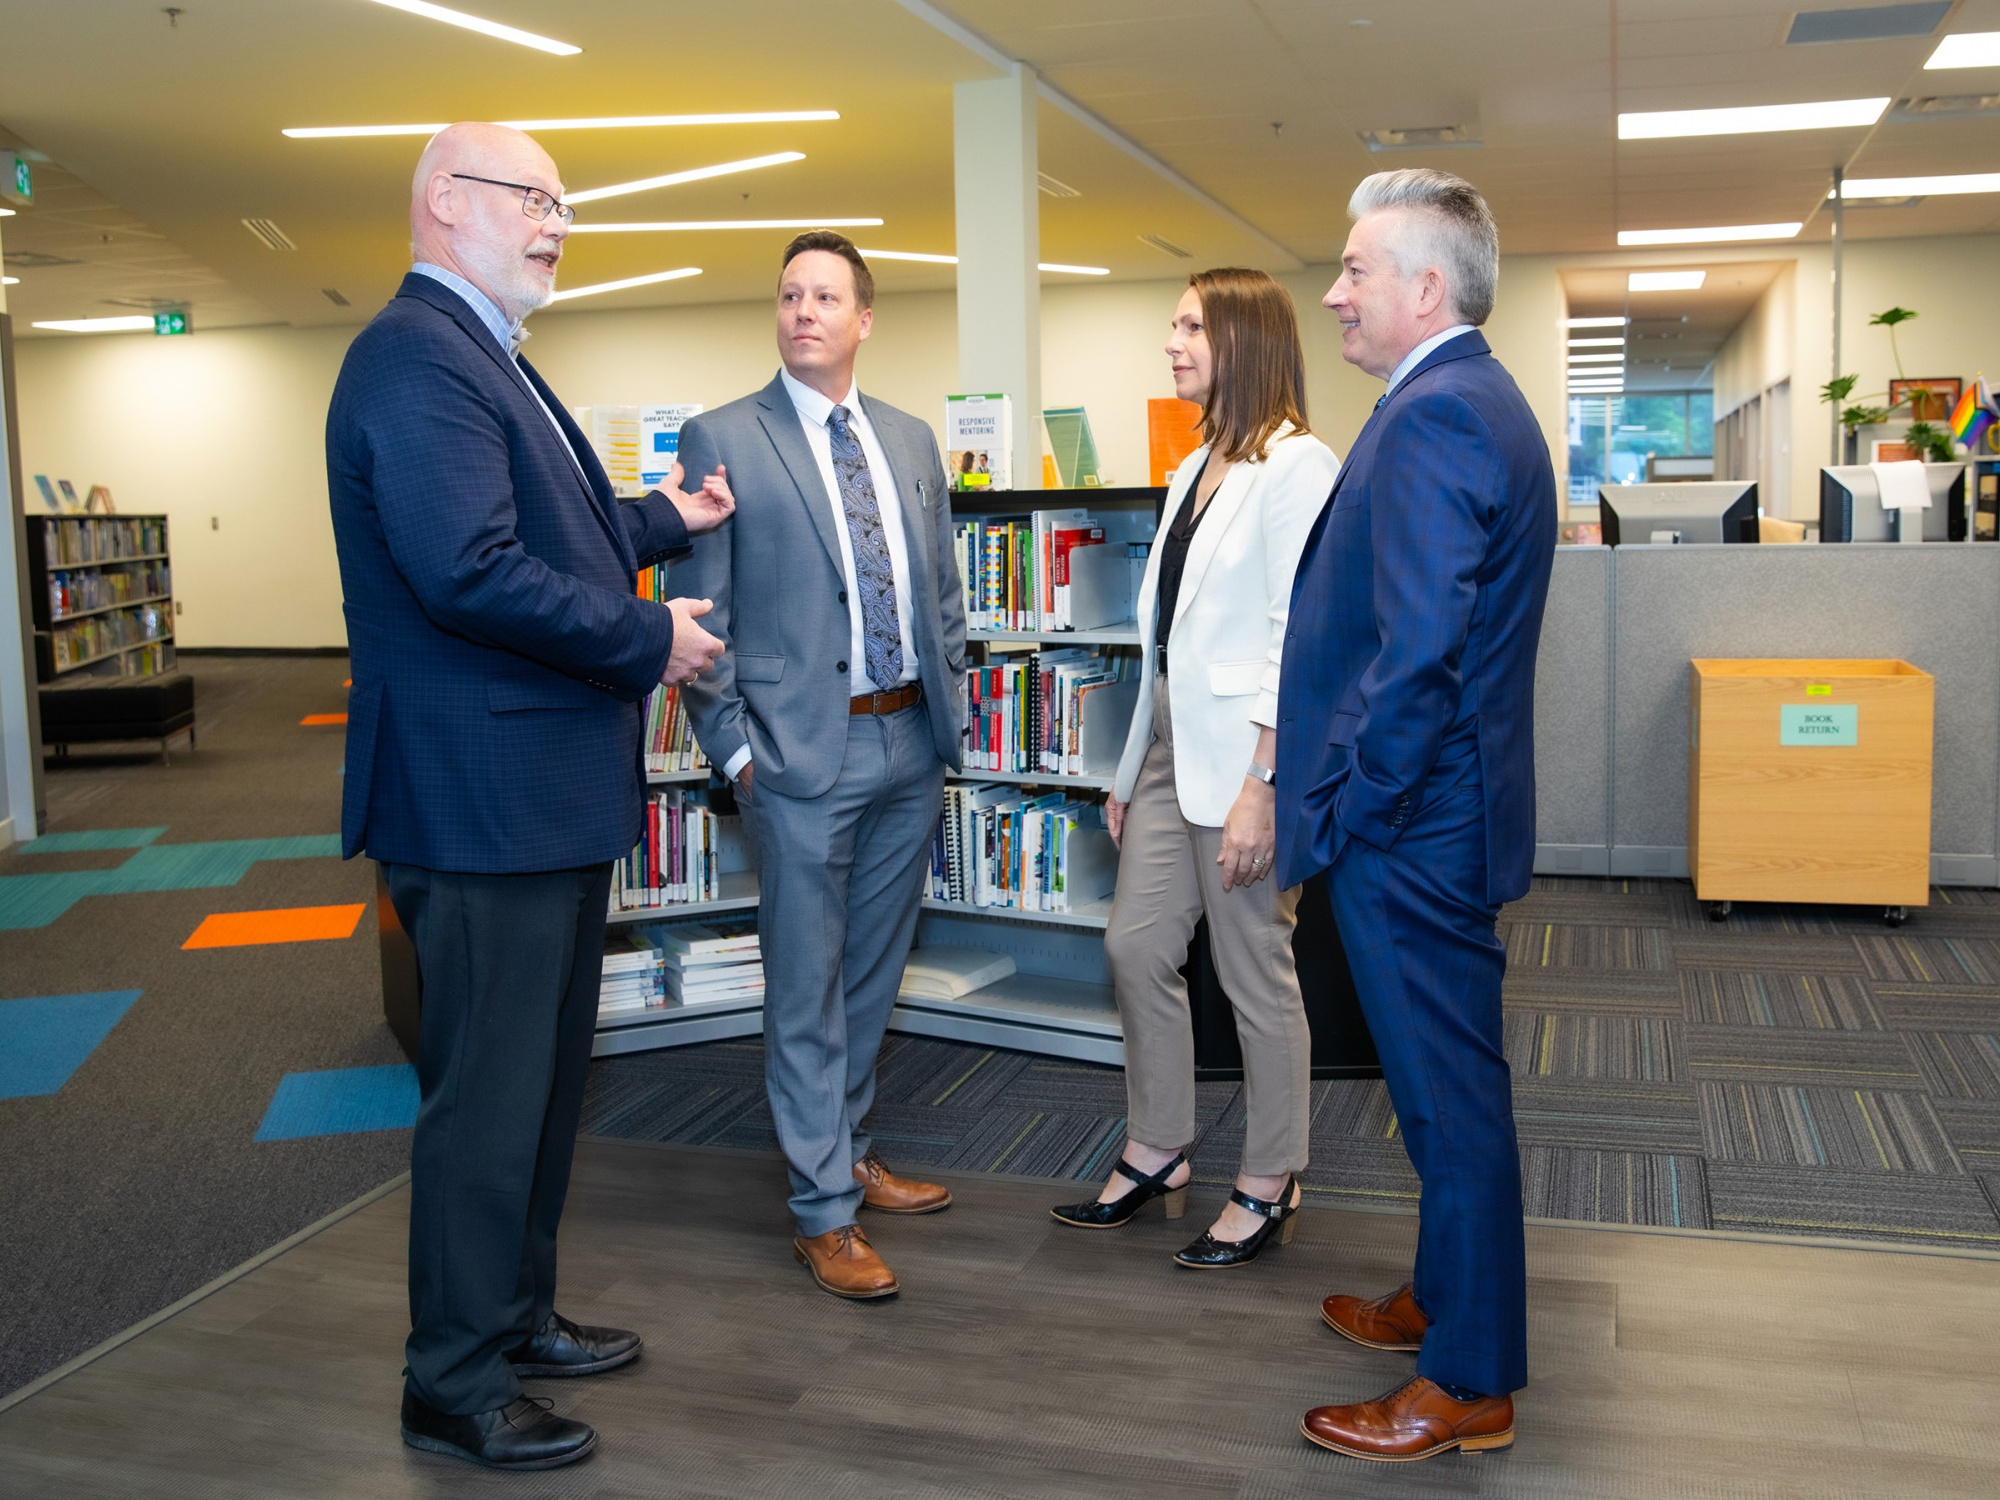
(1933, 407)
(1892, 453)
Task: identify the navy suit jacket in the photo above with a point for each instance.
(500, 650)
(1409, 664)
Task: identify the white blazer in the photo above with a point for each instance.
(1229, 620)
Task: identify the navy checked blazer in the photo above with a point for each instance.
(1409, 665)
(500, 652)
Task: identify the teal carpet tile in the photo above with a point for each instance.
(37, 900)
(1811, 1002)
(1614, 1187)
(1855, 1059)
(1641, 1049)
(1910, 1207)
(1862, 1130)
(92, 838)
(1957, 1064)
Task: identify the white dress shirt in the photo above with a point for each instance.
(813, 410)
(1419, 354)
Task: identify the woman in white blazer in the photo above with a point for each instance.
(1192, 803)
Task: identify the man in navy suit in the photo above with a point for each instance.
(1406, 771)
(493, 764)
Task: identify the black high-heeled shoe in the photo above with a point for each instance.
(1095, 1215)
(1280, 1218)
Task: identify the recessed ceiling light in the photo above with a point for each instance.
(665, 226)
(605, 122)
(484, 27)
(1716, 236)
(1826, 114)
(1665, 281)
(1619, 341)
(674, 179)
(10, 281)
(1596, 359)
(99, 325)
(952, 260)
(629, 281)
(1918, 187)
(1595, 322)
(1969, 49)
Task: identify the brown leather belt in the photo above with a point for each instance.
(887, 703)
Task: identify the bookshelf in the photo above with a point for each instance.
(100, 590)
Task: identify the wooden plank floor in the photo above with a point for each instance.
(1024, 1359)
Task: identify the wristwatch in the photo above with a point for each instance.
(1264, 774)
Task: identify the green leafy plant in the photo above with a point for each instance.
(1930, 442)
(1925, 438)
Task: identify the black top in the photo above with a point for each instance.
(1173, 561)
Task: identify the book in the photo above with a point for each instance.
(1075, 450)
(660, 444)
(1173, 431)
(728, 936)
(978, 441)
(49, 497)
(943, 972)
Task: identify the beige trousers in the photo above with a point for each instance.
(1167, 879)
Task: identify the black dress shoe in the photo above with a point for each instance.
(565, 1348)
(525, 1435)
(1280, 1218)
(1098, 1215)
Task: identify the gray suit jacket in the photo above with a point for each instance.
(774, 573)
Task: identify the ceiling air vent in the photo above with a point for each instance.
(1871, 23)
(1054, 187)
(36, 260)
(1423, 138)
(1166, 246)
(273, 237)
(1932, 106)
(334, 297)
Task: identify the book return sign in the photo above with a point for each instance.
(1819, 724)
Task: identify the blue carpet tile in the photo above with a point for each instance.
(46, 1038)
(341, 1101)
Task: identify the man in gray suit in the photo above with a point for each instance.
(835, 709)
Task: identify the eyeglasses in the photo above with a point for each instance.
(535, 203)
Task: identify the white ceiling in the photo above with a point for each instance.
(163, 137)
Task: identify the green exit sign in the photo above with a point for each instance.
(171, 322)
(17, 181)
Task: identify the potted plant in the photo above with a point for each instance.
(1930, 442)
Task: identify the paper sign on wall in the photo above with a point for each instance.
(1819, 724)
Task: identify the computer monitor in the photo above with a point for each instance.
(1850, 505)
(1635, 514)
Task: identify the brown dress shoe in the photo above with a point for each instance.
(844, 1263)
(1413, 1421)
(1391, 1322)
(883, 1190)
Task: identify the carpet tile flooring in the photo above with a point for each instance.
(1796, 1070)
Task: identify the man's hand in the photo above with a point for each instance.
(708, 507)
(695, 650)
(746, 781)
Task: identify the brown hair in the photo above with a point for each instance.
(1259, 377)
(838, 244)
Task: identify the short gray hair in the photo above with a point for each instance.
(1450, 228)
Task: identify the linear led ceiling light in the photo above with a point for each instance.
(666, 226)
(1969, 49)
(1618, 342)
(1719, 235)
(484, 27)
(1827, 114)
(10, 281)
(628, 282)
(604, 122)
(100, 325)
(952, 260)
(6, 213)
(1918, 187)
(1596, 359)
(1665, 281)
(675, 179)
(1595, 322)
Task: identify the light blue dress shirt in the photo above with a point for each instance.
(1417, 355)
(508, 334)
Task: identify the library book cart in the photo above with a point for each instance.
(1058, 1002)
(101, 597)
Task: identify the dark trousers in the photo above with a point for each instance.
(1427, 967)
(509, 967)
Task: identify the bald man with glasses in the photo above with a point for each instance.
(501, 654)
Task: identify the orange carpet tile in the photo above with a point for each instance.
(299, 924)
(314, 720)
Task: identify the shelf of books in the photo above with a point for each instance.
(1010, 949)
(100, 592)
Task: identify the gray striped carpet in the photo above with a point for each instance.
(1797, 1070)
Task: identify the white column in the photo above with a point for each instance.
(999, 243)
(20, 718)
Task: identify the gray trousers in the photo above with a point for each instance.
(839, 877)
(1168, 880)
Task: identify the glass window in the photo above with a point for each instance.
(1612, 437)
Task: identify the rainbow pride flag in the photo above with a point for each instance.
(1976, 412)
